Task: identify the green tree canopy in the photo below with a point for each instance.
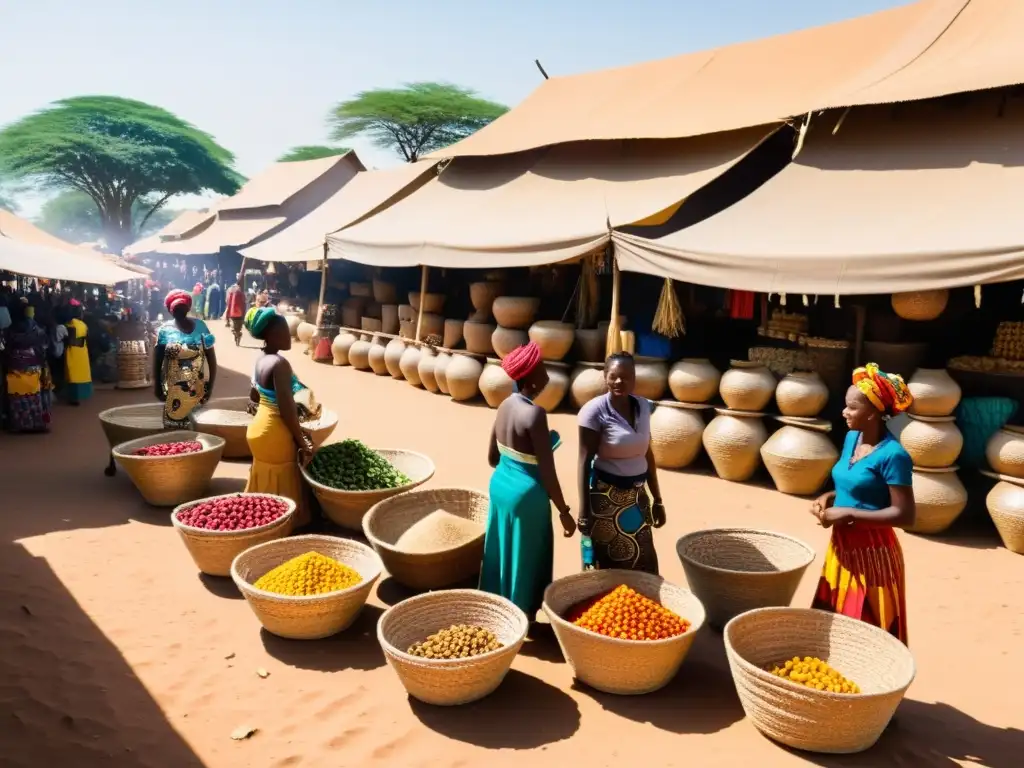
(310, 152)
(73, 216)
(119, 152)
(415, 119)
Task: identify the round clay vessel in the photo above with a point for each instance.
(389, 318)
(920, 305)
(384, 292)
(378, 357)
(432, 325)
(406, 313)
(1005, 452)
(505, 340)
(425, 370)
(940, 497)
(932, 443)
(341, 345)
(440, 367)
(407, 329)
(747, 386)
(935, 393)
(515, 311)
(305, 332)
(462, 375)
(586, 383)
(734, 442)
(452, 334)
(478, 337)
(393, 357)
(433, 303)
(1005, 504)
(558, 384)
(495, 384)
(802, 394)
(651, 378)
(409, 364)
(590, 344)
(675, 435)
(553, 338)
(293, 324)
(694, 380)
(482, 295)
(359, 354)
(799, 460)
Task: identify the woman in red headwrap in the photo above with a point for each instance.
(863, 575)
(518, 547)
(184, 363)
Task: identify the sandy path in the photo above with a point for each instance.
(114, 652)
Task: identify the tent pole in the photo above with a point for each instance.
(423, 296)
(860, 320)
(614, 340)
(323, 288)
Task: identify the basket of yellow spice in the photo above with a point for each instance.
(306, 587)
(815, 680)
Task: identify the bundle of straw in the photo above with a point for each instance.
(588, 294)
(668, 319)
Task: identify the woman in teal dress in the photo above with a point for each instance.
(184, 363)
(519, 545)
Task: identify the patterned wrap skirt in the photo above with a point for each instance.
(620, 523)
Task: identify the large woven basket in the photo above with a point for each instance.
(733, 570)
(385, 523)
(214, 551)
(449, 682)
(797, 716)
(166, 481)
(131, 422)
(227, 417)
(610, 664)
(307, 617)
(347, 508)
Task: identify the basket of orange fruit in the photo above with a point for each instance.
(623, 632)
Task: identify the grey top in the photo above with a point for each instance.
(622, 450)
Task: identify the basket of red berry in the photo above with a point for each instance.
(217, 529)
(172, 467)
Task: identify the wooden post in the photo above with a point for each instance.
(860, 320)
(323, 288)
(613, 342)
(423, 297)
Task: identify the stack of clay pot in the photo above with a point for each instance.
(800, 456)
(734, 437)
(513, 315)
(1005, 502)
(341, 345)
(359, 353)
(496, 386)
(677, 426)
(933, 441)
(586, 383)
(479, 328)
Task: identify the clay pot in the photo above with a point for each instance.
(389, 318)
(293, 324)
(350, 317)
(361, 290)
(359, 354)
(378, 357)
(440, 367)
(801, 393)
(733, 441)
(694, 380)
(478, 337)
(932, 442)
(371, 324)
(409, 365)
(553, 338)
(504, 340)
(384, 292)
(433, 302)
(452, 334)
(799, 460)
(495, 384)
(590, 344)
(1005, 504)
(463, 377)
(651, 378)
(935, 393)
(940, 497)
(305, 332)
(675, 435)
(558, 384)
(406, 312)
(586, 383)
(428, 359)
(747, 386)
(920, 305)
(393, 357)
(515, 311)
(407, 329)
(341, 345)
(482, 295)
(1005, 452)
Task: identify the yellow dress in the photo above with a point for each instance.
(79, 373)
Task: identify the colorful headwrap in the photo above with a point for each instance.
(521, 361)
(178, 298)
(886, 391)
(257, 319)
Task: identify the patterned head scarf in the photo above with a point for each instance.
(886, 391)
(176, 299)
(257, 319)
(521, 361)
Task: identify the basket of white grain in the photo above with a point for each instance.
(429, 539)
(348, 478)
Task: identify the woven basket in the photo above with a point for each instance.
(610, 664)
(797, 716)
(309, 617)
(226, 417)
(347, 508)
(733, 570)
(385, 523)
(166, 481)
(449, 682)
(132, 422)
(214, 551)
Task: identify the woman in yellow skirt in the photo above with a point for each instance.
(275, 435)
(78, 372)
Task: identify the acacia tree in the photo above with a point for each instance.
(415, 119)
(74, 217)
(120, 153)
(310, 152)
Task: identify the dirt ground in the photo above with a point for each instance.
(115, 652)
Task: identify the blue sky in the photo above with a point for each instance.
(261, 76)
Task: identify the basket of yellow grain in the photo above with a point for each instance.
(623, 632)
(130, 422)
(229, 418)
(452, 647)
(429, 538)
(170, 468)
(348, 478)
(306, 587)
(815, 680)
(733, 570)
(215, 530)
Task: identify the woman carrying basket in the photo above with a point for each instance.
(183, 357)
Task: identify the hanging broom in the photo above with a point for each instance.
(668, 319)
